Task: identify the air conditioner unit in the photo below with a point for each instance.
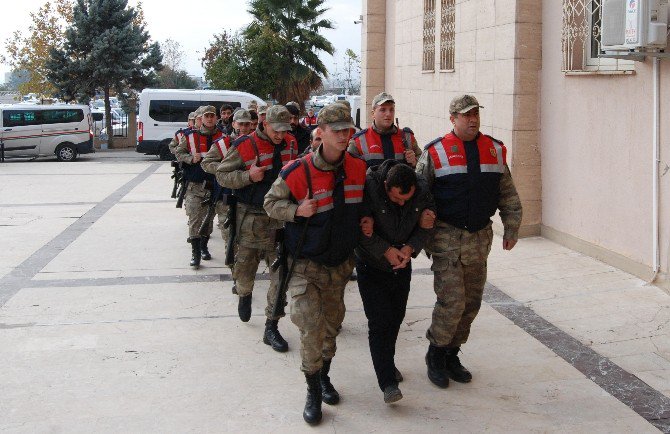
(634, 25)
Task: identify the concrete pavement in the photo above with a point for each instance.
(105, 328)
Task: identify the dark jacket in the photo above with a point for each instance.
(394, 225)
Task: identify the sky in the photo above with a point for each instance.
(165, 20)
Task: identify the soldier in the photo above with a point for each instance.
(301, 134)
(250, 167)
(319, 197)
(262, 110)
(400, 203)
(469, 178)
(190, 151)
(384, 140)
(180, 132)
(309, 121)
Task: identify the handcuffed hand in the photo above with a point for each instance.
(410, 157)
(367, 224)
(396, 258)
(427, 219)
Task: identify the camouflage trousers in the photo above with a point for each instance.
(317, 308)
(459, 267)
(255, 239)
(195, 195)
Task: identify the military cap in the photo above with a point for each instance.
(209, 109)
(241, 115)
(191, 115)
(345, 103)
(463, 104)
(381, 99)
(279, 118)
(262, 109)
(335, 115)
(198, 112)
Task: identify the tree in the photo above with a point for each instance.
(352, 70)
(276, 54)
(173, 76)
(30, 52)
(107, 48)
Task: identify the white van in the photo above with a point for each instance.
(164, 111)
(43, 130)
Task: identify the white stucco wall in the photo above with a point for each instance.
(596, 145)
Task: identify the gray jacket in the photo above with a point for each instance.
(394, 225)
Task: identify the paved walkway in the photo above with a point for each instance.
(105, 328)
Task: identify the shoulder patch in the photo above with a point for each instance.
(360, 133)
(289, 167)
(408, 130)
(432, 143)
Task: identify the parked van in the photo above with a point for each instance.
(164, 111)
(43, 130)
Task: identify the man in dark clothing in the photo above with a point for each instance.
(402, 207)
(300, 133)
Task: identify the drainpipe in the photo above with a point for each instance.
(656, 161)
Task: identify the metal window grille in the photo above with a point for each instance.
(580, 38)
(428, 35)
(447, 34)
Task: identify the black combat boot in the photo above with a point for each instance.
(455, 370)
(328, 392)
(195, 252)
(273, 338)
(312, 412)
(204, 251)
(437, 370)
(244, 307)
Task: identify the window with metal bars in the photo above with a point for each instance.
(581, 36)
(428, 35)
(447, 34)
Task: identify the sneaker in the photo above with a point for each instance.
(392, 394)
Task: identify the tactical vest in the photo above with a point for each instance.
(332, 233)
(252, 147)
(371, 149)
(467, 179)
(310, 121)
(222, 145)
(199, 144)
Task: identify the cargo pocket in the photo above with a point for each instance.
(298, 284)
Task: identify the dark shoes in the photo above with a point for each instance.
(312, 413)
(328, 392)
(244, 307)
(392, 394)
(437, 369)
(204, 252)
(455, 370)
(398, 375)
(272, 337)
(195, 252)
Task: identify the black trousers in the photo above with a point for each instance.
(384, 297)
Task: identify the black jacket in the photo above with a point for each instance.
(394, 225)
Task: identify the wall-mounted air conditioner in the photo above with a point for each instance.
(634, 24)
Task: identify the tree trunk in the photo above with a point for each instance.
(108, 120)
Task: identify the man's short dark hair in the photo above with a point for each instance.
(226, 107)
(401, 176)
(254, 115)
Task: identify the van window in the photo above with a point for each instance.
(178, 110)
(20, 118)
(62, 116)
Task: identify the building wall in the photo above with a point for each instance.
(597, 157)
(497, 59)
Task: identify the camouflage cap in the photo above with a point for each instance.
(345, 103)
(191, 115)
(381, 99)
(279, 118)
(242, 115)
(198, 112)
(337, 116)
(463, 104)
(262, 110)
(209, 109)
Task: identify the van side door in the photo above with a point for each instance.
(62, 125)
(21, 132)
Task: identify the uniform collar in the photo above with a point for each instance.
(320, 162)
(207, 132)
(391, 130)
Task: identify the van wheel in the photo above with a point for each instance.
(66, 152)
(164, 153)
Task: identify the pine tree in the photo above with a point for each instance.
(107, 48)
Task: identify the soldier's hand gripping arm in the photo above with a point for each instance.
(183, 153)
(412, 155)
(509, 205)
(212, 160)
(278, 203)
(425, 168)
(231, 173)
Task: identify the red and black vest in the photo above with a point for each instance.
(199, 143)
(332, 233)
(222, 145)
(375, 148)
(252, 147)
(310, 122)
(467, 179)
